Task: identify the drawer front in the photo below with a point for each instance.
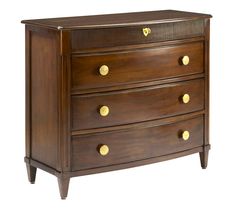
(87, 39)
(132, 145)
(136, 66)
(136, 105)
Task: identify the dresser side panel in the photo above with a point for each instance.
(44, 54)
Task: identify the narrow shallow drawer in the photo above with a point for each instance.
(136, 66)
(87, 39)
(132, 145)
(136, 105)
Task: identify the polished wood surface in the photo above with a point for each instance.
(122, 19)
(44, 117)
(103, 38)
(134, 144)
(31, 170)
(120, 166)
(136, 66)
(139, 125)
(63, 186)
(149, 103)
(204, 154)
(142, 90)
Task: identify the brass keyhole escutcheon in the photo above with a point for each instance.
(146, 31)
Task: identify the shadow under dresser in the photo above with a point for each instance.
(110, 92)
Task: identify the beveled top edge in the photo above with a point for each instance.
(115, 20)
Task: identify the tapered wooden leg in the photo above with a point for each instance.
(31, 170)
(63, 186)
(204, 158)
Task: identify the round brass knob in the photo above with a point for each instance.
(104, 110)
(146, 31)
(104, 150)
(185, 60)
(185, 135)
(186, 98)
(104, 70)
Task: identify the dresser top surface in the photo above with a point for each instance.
(120, 19)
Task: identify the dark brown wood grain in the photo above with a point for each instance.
(136, 66)
(122, 19)
(135, 144)
(207, 78)
(44, 110)
(31, 171)
(139, 125)
(136, 105)
(137, 162)
(86, 39)
(63, 186)
(27, 93)
(118, 166)
(143, 91)
(204, 157)
(139, 46)
(63, 158)
(47, 104)
(136, 85)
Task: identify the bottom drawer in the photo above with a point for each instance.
(135, 144)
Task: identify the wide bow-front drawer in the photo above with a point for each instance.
(102, 70)
(96, 150)
(87, 39)
(136, 105)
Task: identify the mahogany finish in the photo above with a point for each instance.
(31, 170)
(136, 66)
(132, 145)
(100, 38)
(149, 102)
(44, 58)
(143, 90)
(114, 20)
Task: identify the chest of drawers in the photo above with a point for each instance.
(115, 91)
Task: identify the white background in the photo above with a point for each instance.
(178, 184)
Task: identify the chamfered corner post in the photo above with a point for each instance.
(206, 146)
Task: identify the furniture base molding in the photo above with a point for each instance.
(64, 177)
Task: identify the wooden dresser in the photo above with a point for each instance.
(109, 92)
